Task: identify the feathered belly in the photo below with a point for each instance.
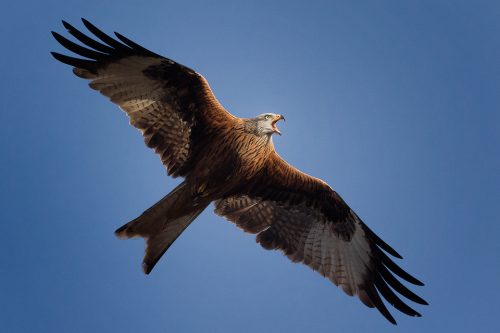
(230, 164)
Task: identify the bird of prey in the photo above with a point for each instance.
(232, 162)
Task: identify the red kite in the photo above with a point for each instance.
(232, 162)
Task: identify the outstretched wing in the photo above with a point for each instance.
(171, 104)
(303, 217)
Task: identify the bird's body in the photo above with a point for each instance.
(232, 162)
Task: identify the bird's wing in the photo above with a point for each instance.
(303, 217)
(172, 105)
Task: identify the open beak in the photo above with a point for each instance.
(275, 120)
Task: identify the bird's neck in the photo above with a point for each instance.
(251, 127)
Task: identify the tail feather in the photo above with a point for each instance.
(158, 244)
(157, 229)
(151, 220)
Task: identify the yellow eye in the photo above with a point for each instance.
(267, 117)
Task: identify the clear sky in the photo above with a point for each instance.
(394, 103)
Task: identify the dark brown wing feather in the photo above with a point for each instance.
(171, 104)
(303, 217)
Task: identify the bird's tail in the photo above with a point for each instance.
(157, 228)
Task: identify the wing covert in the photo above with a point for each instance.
(171, 104)
(310, 223)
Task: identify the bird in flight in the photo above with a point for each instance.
(232, 162)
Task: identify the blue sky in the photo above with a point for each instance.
(395, 104)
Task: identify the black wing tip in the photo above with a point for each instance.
(377, 302)
(396, 254)
(391, 265)
(85, 21)
(62, 58)
(415, 281)
(89, 25)
(130, 43)
(95, 54)
(396, 285)
(75, 62)
(126, 41)
(99, 47)
(388, 294)
(423, 302)
(381, 243)
(418, 282)
(67, 25)
(387, 248)
(56, 35)
(387, 315)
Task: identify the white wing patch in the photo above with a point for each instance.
(143, 100)
(305, 236)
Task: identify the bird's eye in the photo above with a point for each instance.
(267, 117)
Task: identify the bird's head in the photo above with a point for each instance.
(265, 124)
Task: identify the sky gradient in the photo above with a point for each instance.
(396, 105)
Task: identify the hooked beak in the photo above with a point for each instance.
(275, 120)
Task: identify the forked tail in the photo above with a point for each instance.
(157, 229)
